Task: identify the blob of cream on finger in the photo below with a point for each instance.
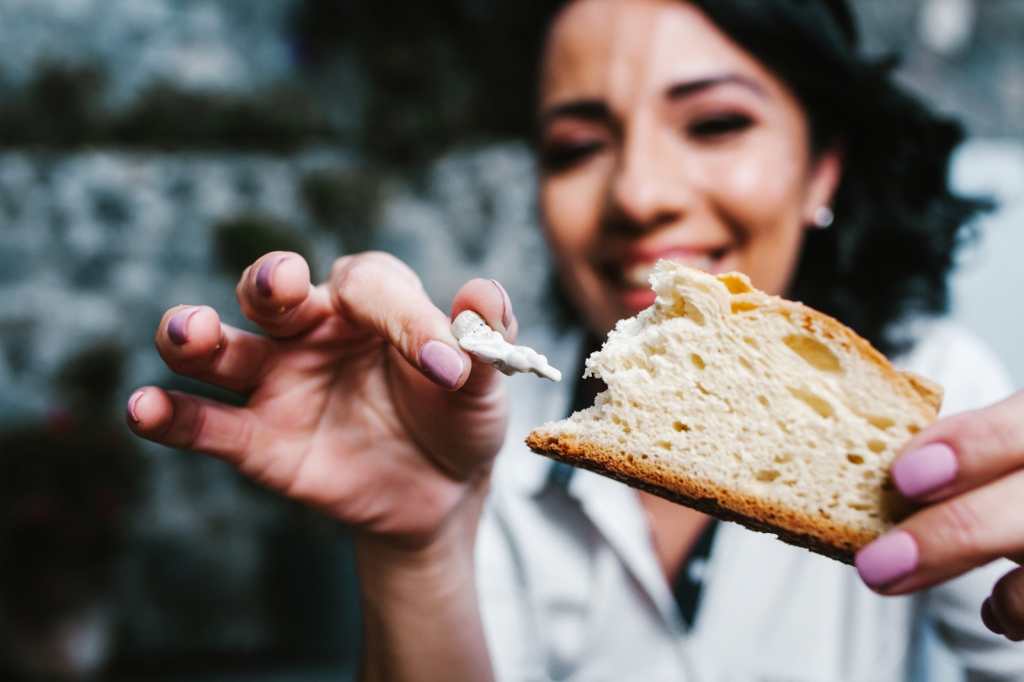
(487, 345)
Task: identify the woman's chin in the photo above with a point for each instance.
(635, 299)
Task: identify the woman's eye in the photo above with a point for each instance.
(719, 126)
(560, 156)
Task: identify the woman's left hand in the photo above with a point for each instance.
(968, 470)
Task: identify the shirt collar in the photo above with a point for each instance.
(534, 401)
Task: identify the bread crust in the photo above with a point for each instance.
(820, 535)
(817, 530)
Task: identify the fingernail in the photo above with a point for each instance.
(923, 470)
(506, 306)
(132, 403)
(266, 273)
(989, 618)
(887, 559)
(441, 362)
(177, 328)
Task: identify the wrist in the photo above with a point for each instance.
(443, 557)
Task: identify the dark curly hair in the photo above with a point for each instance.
(897, 225)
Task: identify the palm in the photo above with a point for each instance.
(341, 418)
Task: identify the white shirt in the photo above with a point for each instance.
(571, 588)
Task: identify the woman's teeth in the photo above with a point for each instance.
(639, 275)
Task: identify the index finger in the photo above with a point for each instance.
(961, 452)
(378, 293)
(947, 539)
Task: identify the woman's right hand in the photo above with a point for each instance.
(360, 402)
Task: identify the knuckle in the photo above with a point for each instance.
(990, 432)
(405, 329)
(349, 274)
(1005, 430)
(960, 524)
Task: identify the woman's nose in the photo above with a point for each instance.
(648, 189)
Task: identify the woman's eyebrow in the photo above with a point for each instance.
(692, 87)
(587, 109)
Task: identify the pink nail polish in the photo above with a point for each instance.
(177, 328)
(441, 363)
(265, 275)
(506, 304)
(887, 559)
(132, 403)
(928, 468)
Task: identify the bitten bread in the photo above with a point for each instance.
(751, 408)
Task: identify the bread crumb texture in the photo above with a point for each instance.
(749, 407)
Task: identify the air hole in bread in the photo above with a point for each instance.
(880, 422)
(782, 426)
(767, 475)
(684, 308)
(697, 361)
(664, 444)
(680, 426)
(656, 349)
(734, 283)
(913, 428)
(876, 446)
(743, 306)
(784, 458)
(750, 341)
(814, 352)
(703, 389)
(869, 475)
(764, 401)
(859, 506)
(854, 458)
(814, 401)
(746, 364)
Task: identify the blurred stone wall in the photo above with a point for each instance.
(150, 148)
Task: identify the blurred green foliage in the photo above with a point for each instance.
(441, 72)
(240, 240)
(344, 201)
(431, 75)
(63, 106)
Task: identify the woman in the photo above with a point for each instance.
(716, 133)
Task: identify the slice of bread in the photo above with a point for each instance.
(751, 408)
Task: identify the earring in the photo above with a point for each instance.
(823, 217)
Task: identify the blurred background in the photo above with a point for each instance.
(151, 149)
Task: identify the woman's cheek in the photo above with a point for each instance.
(761, 188)
(570, 211)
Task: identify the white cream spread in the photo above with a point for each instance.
(487, 345)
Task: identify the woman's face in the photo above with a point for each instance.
(661, 138)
